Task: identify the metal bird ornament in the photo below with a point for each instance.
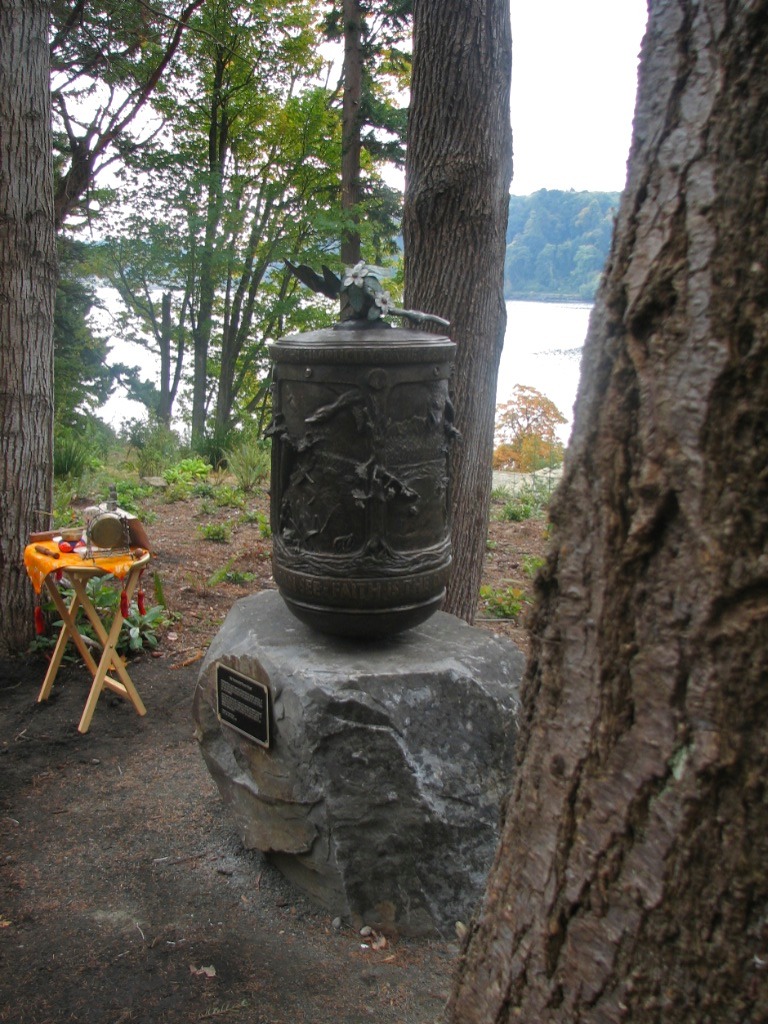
(363, 291)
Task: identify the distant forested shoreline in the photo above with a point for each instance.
(557, 244)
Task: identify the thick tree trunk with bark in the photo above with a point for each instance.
(351, 144)
(631, 881)
(27, 292)
(458, 170)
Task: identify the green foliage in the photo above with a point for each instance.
(159, 591)
(137, 632)
(529, 502)
(228, 497)
(187, 471)
(219, 533)
(130, 495)
(531, 565)
(71, 455)
(210, 445)
(517, 510)
(82, 379)
(180, 490)
(203, 489)
(506, 603)
(503, 494)
(557, 243)
(249, 462)
(63, 495)
(226, 574)
(155, 444)
(259, 519)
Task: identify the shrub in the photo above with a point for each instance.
(71, 456)
(155, 444)
(203, 489)
(180, 490)
(531, 501)
(249, 463)
(516, 510)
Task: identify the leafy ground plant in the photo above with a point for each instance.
(260, 519)
(530, 502)
(187, 471)
(228, 574)
(219, 533)
(227, 497)
(503, 603)
(140, 630)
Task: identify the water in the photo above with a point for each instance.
(542, 349)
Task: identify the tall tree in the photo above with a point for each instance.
(458, 170)
(375, 69)
(83, 380)
(27, 293)
(108, 58)
(247, 176)
(631, 883)
(148, 266)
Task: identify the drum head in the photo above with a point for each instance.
(108, 531)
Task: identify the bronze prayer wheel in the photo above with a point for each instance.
(362, 423)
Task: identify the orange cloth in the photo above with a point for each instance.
(39, 565)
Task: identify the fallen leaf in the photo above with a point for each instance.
(206, 972)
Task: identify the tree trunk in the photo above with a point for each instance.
(165, 341)
(458, 169)
(350, 129)
(631, 880)
(27, 293)
(218, 149)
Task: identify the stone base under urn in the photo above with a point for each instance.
(379, 792)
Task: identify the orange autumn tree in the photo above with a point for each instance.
(526, 432)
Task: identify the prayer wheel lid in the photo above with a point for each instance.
(389, 344)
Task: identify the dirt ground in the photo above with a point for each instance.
(126, 894)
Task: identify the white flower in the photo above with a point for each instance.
(355, 275)
(382, 300)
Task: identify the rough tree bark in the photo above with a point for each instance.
(351, 144)
(631, 883)
(27, 292)
(458, 170)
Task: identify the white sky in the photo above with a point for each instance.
(574, 78)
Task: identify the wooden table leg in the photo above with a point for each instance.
(69, 631)
(109, 658)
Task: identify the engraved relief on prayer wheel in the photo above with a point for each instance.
(362, 423)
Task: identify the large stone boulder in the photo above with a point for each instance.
(380, 791)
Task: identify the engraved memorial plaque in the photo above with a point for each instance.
(243, 704)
